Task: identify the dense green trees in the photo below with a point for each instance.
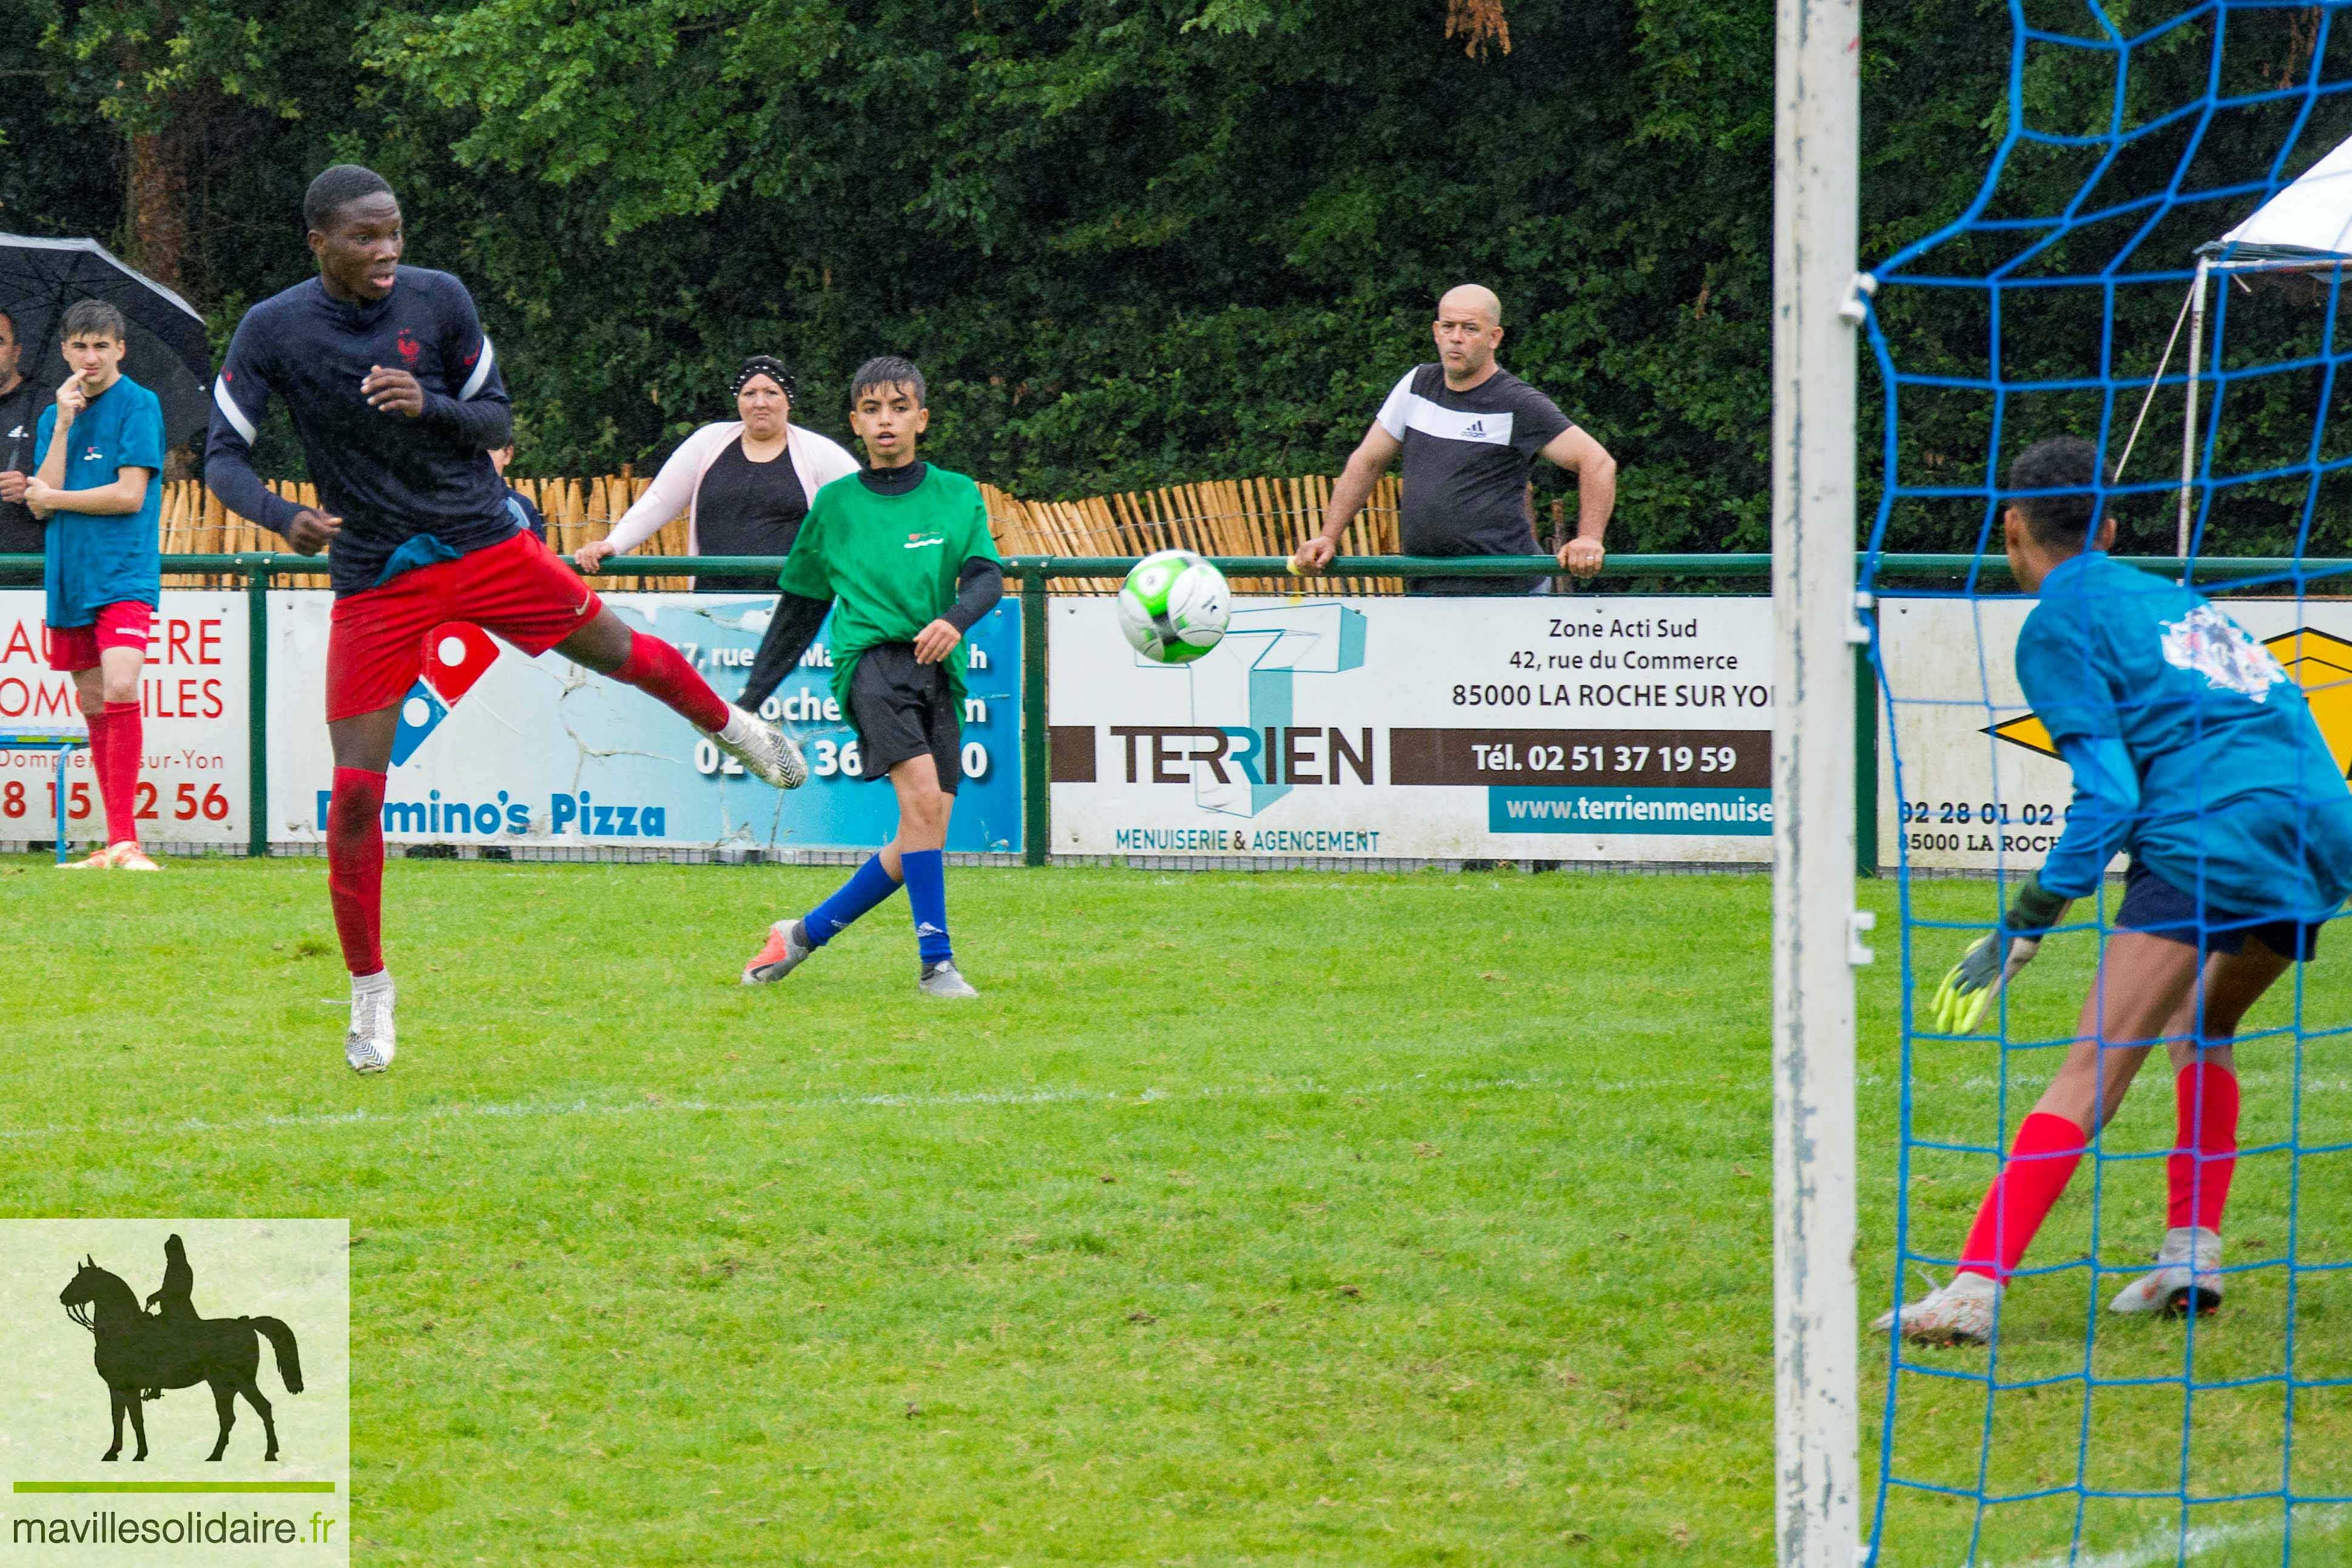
(1132, 242)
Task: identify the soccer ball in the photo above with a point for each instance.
(1173, 606)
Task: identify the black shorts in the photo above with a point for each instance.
(2154, 907)
(902, 709)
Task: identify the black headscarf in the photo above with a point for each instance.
(766, 365)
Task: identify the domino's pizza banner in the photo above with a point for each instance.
(1599, 728)
(495, 748)
(1981, 787)
(192, 785)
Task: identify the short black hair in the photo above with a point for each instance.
(886, 371)
(2066, 463)
(93, 319)
(335, 187)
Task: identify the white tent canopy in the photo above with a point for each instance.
(2306, 226)
(2311, 220)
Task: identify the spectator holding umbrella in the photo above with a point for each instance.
(22, 399)
(744, 484)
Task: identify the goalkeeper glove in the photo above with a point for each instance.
(1989, 966)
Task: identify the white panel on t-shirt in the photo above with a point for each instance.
(1408, 409)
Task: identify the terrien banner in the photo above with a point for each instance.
(1577, 728)
(192, 780)
(1981, 787)
(495, 748)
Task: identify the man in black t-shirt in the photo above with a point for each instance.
(22, 399)
(1470, 432)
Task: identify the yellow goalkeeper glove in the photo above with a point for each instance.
(1988, 967)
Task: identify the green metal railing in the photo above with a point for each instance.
(1037, 573)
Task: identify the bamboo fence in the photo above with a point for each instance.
(1255, 516)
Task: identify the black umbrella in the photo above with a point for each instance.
(168, 353)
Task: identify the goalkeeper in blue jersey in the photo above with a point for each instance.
(2192, 750)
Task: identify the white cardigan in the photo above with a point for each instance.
(816, 461)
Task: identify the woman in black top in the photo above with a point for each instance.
(744, 485)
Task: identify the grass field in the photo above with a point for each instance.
(1270, 1219)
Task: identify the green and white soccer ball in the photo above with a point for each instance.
(1173, 606)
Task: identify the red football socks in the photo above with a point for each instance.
(355, 867)
(655, 667)
(101, 750)
(2040, 1163)
(118, 770)
(2204, 1147)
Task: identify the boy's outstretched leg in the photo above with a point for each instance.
(2142, 982)
(792, 941)
(363, 745)
(607, 645)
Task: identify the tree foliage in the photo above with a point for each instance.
(1132, 243)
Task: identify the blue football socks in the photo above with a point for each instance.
(927, 890)
(853, 898)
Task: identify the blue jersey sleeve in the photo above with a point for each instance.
(480, 417)
(241, 395)
(44, 428)
(2061, 664)
(140, 442)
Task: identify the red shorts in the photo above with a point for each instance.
(518, 589)
(125, 623)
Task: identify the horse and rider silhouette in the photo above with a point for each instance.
(139, 1353)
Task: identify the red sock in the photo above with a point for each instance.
(355, 867)
(654, 666)
(118, 771)
(2040, 1163)
(2204, 1147)
(101, 748)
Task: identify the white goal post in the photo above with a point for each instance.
(1816, 937)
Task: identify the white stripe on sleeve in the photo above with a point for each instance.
(233, 414)
(481, 371)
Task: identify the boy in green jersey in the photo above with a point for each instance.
(899, 553)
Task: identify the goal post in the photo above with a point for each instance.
(1816, 938)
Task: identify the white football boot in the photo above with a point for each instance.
(370, 1047)
(2187, 1276)
(944, 980)
(762, 748)
(1958, 1313)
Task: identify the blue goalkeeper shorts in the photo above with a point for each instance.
(2155, 908)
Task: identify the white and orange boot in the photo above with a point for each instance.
(128, 856)
(97, 860)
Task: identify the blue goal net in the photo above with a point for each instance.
(2154, 264)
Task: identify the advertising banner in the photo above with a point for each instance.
(1981, 788)
(1546, 727)
(495, 748)
(192, 781)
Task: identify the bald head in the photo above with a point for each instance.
(1472, 299)
(1469, 328)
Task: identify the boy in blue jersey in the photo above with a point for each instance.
(396, 397)
(2192, 750)
(97, 452)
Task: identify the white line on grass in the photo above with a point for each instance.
(362, 1117)
(2162, 1546)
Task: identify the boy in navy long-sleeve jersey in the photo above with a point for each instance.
(396, 397)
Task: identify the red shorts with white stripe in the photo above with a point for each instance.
(125, 623)
(517, 589)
